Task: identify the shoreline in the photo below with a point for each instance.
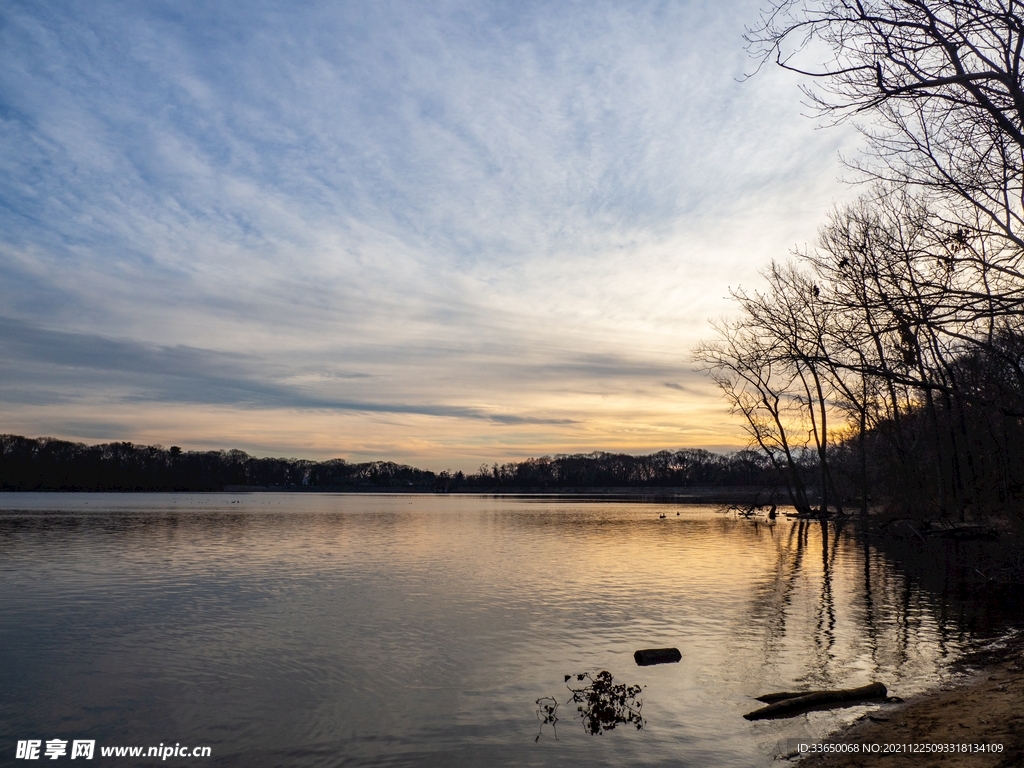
(985, 708)
(698, 494)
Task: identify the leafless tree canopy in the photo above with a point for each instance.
(935, 86)
(886, 362)
(881, 363)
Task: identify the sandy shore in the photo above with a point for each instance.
(985, 709)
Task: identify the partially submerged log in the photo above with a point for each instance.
(944, 529)
(965, 532)
(771, 698)
(788, 704)
(650, 656)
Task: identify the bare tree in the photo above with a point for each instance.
(915, 315)
(905, 325)
(936, 85)
(795, 312)
(750, 369)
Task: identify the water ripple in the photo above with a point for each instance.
(314, 630)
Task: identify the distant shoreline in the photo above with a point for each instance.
(679, 495)
(699, 494)
(44, 463)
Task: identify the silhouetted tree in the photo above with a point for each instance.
(937, 83)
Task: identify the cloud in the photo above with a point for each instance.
(468, 210)
(51, 360)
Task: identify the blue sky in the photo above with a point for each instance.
(441, 233)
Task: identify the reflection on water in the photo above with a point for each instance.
(315, 630)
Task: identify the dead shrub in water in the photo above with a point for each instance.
(602, 704)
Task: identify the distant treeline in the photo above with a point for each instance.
(38, 464)
(679, 469)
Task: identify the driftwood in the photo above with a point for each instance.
(964, 532)
(942, 530)
(788, 704)
(657, 656)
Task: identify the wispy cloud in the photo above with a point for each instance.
(53, 361)
(468, 210)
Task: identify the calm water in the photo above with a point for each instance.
(308, 630)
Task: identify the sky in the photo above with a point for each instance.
(444, 233)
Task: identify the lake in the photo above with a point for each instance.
(390, 630)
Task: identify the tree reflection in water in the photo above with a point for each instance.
(602, 704)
